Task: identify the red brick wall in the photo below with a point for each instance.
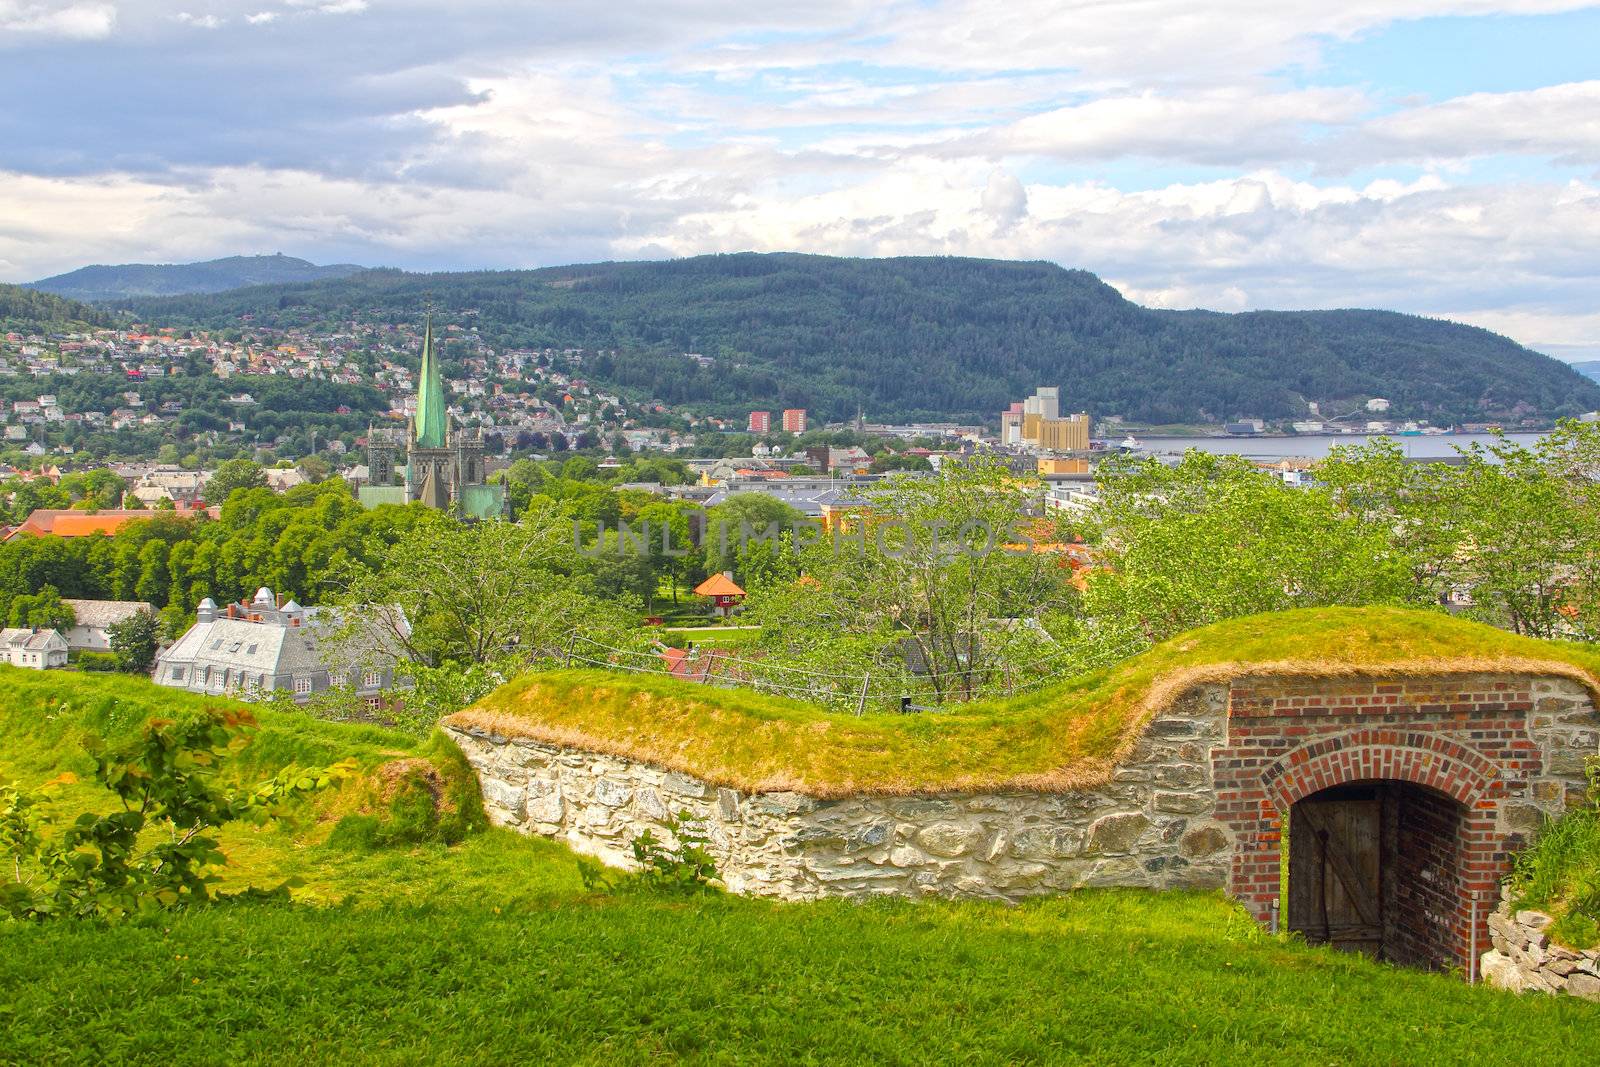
(1420, 900)
(1464, 736)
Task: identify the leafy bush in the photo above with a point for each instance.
(684, 866)
(1560, 874)
(431, 797)
(104, 662)
(105, 865)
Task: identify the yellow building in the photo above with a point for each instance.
(1059, 465)
(1070, 434)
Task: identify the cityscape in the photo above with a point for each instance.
(903, 533)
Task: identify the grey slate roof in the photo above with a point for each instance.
(102, 613)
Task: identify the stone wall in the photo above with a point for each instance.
(1151, 825)
(1524, 959)
(1198, 802)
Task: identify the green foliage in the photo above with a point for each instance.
(486, 593)
(937, 336)
(923, 583)
(97, 661)
(42, 610)
(1215, 537)
(679, 864)
(233, 475)
(1560, 873)
(30, 307)
(105, 866)
(134, 641)
(296, 543)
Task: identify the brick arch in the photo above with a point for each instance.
(1360, 755)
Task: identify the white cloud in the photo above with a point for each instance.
(52, 19)
(1004, 199)
(261, 18)
(1557, 121)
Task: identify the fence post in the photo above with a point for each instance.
(1272, 927)
(861, 704)
(572, 639)
(1472, 950)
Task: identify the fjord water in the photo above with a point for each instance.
(1316, 446)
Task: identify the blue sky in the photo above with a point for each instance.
(1434, 156)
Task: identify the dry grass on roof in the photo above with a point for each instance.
(1067, 736)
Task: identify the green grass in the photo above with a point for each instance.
(711, 636)
(492, 951)
(1062, 736)
(1560, 875)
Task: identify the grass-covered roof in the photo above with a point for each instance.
(1062, 737)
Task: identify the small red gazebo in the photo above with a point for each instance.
(724, 592)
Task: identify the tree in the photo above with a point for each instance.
(42, 610)
(314, 468)
(742, 535)
(931, 578)
(134, 641)
(1215, 537)
(234, 474)
(491, 592)
(884, 462)
(1527, 528)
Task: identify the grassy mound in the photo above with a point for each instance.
(491, 949)
(1063, 737)
(408, 791)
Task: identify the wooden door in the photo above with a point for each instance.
(1335, 869)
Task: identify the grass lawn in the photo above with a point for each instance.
(492, 951)
(711, 636)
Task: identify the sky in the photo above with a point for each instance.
(1440, 157)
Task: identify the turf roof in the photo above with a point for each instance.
(1067, 736)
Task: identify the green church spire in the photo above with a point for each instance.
(430, 428)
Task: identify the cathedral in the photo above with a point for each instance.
(444, 465)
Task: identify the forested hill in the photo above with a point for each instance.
(937, 337)
(29, 310)
(102, 283)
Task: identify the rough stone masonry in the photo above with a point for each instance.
(1151, 825)
(1198, 801)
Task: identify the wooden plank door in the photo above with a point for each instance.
(1335, 871)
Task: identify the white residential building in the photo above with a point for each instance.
(95, 618)
(34, 649)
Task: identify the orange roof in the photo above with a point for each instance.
(72, 523)
(718, 585)
(86, 524)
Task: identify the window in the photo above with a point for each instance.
(339, 678)
(251, 650)
(302, 686)
(371, 680)
(216, 644)
(177, 674)
(205, 676)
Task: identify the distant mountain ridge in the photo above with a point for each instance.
(115, 283)
(935, 338)
(1589, 369)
